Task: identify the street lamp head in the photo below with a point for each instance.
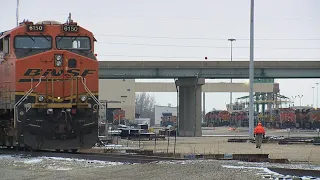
(231, 39)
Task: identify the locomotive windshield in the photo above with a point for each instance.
(33, 42)
(75, 43)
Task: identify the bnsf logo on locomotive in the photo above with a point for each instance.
(56, 73)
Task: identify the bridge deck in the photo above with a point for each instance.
(208, 64)
(208, 69)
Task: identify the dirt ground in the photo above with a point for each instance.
(205, 145)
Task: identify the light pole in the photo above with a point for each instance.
(313, 97)
(300, 96)
(231, 40)
(293, 98)
(251, 71)
(17, 13)
(317, 94)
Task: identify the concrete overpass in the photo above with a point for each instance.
(191, 76)
(207, 69)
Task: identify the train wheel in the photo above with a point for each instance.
(66, 150)
(57, 150)
(74, 150)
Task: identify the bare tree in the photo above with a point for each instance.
(145, 105)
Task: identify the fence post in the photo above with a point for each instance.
(139, 139)
(155, 141)
(175, 142)
(168, 142)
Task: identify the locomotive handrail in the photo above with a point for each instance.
(83, 81)
(98, 103)
(24, 97)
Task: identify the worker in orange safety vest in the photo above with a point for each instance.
(259, 133)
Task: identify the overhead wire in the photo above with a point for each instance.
(209, 38)
(202, 57)
(203, 46)
(181, 17)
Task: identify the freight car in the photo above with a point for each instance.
(48, 86)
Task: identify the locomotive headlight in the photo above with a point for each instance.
(58, 63)
(40, 98)
(58, 60)
(58, 57)
(83, 98)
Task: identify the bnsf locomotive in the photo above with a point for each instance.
(48, 86)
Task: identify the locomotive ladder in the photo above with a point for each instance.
(101, 106)
(24, 97)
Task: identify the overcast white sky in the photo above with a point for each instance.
(135, 30)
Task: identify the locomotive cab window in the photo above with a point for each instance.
(73, 43)
(33, 42)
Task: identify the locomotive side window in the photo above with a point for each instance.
(1, 54)
(33, 42)
(5, 45)
(73, 43)
(1, 45)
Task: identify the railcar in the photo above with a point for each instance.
(314, 118)
(287, 117)
(48, 86)
(217, 118)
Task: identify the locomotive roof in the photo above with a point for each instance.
(4, 33)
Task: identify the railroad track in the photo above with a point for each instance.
(124, 158)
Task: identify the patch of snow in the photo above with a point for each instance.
(58, 168)
(32, 161)
(6, 156)
(84, 160)
(113, 145)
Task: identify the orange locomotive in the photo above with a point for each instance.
(48, 86)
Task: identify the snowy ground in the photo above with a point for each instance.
(19, 167)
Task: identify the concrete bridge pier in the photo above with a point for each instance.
(190, 106)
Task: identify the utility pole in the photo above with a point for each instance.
(204, 100)
(293, 99)
(17, 13)
(231, 40)
(313, 97)
(204, 107)
(251, 71)
(317, 95)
